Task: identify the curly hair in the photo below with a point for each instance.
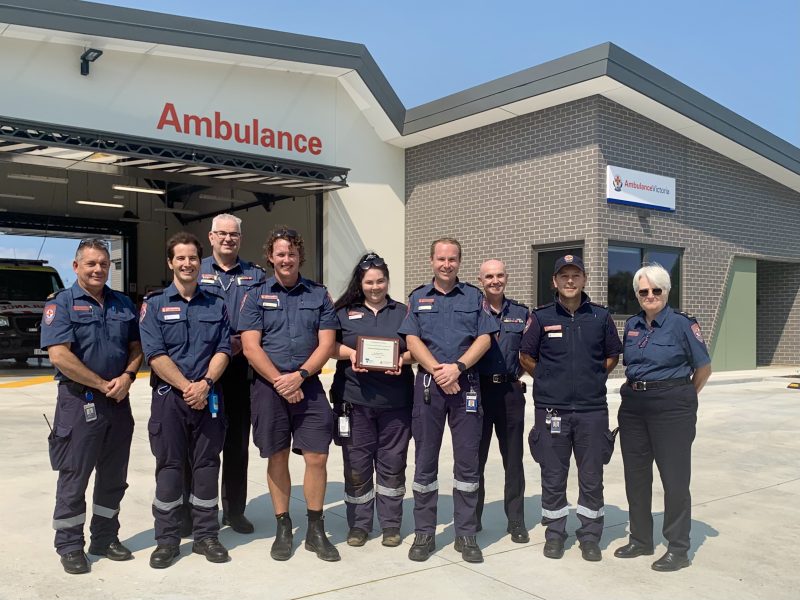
(282, 232)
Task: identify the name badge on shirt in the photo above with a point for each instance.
(207, 278)
(81, 307)
(507, 320)
(425, 304)
(633, 333)
(171, 313)
(553, 331)
(355, 315)
(243, 279)
(270, 301)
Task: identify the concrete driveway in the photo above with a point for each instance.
(746, 495)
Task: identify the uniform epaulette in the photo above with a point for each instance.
(54, 294)
(213, 292)
(512, 301)
(472, 286)
(685, 314)
(631, 317)
(598, 305)
(149, 295)
(542, 306)
(419, 287)
(259, 267)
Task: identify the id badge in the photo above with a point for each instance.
(555, 425)
(344, 426)
(90, 412)
(472, 401)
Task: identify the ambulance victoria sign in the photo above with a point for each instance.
(636, 188)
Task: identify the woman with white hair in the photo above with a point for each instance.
(666, 365)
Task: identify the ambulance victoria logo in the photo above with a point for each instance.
(49, 313)
(617, 183)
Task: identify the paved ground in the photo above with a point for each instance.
(746, 490)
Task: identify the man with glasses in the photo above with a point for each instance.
(570, 346)
(288, 326)
(92, 338)
(447, 330)
(227, 275)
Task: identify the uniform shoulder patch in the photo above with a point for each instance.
(56, 293)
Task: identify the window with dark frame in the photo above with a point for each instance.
(545, 292)
(625, 260)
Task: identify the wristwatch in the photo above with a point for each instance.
(461, 366)
(131, 374)
(303, 373)
(209, 381)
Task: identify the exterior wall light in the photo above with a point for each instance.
(89, 56)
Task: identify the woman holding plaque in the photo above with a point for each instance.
(372, 396)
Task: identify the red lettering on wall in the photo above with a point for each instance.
(249, 133)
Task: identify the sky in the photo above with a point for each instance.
(744, 55)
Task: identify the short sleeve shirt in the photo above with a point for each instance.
(289, 320)
(672, 348)
(374, 389)
(231, 285)
(98, 334)
(189, 332)
(447, 323)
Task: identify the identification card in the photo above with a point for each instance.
(344, 426)
(213, 404)
(555, 425)
(90, 412)
(472, 401)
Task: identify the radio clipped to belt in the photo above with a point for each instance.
(344, 420)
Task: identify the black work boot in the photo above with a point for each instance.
(114, 551)
(212, 549)
(282, 546)
(318, 542)
(422, 548)
(75, 562)
(468, 546)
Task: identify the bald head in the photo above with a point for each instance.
(492, 276)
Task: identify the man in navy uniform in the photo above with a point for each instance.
(92, 339)
(502, 395)
(570, 346)
(225, 274)
(186, 340)
(447, 330)
(288, 327)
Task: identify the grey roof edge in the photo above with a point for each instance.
(610, 60)
(102, 20)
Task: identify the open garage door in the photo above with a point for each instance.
(92, 183)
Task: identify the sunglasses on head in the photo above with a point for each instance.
(656, 292)
(371, 260)
(93, 243)
(285, 233)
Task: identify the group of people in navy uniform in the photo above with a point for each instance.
(230, 348)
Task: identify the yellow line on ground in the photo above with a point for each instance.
(27, 381)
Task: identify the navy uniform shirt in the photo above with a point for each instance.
(374, 389)
(447, 323)
(289, 320)
(570, 353)
(190, 333)
(231, 285)
(98, 335)
(503, 357)
(673, 348)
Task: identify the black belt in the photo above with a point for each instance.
(78, 388)
(499, 378)
(643, 386)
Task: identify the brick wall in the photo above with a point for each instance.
(539, 180)
(778, 313)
